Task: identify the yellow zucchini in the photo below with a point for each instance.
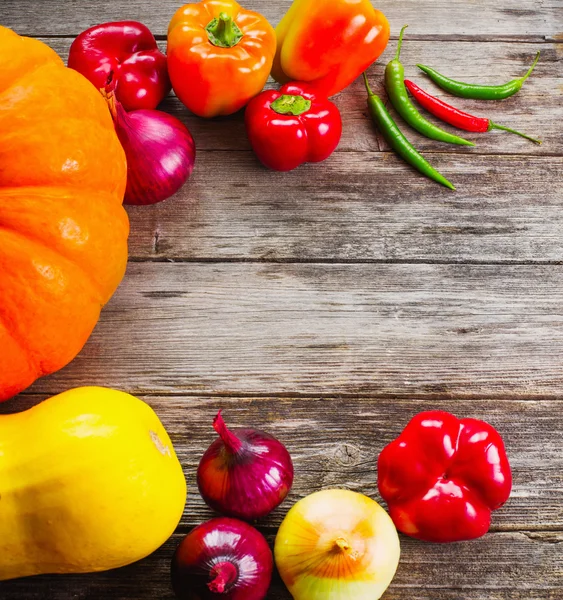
(89, 481)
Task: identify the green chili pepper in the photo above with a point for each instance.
(395, 85)
(398, 141)
(479, 92)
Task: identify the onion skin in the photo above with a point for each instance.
(337, 545)
(245, 475)
(160, 152)
(222, 559)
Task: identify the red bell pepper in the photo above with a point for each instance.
(443, 477)
(292, 126)
(128, 51)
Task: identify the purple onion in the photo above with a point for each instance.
(159, 148)
(244, 475)
(222, 559)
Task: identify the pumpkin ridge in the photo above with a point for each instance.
(60, 260)
(32, 363)
(51, 90)
(52, 197)
(31, 45)
(96, 286)
(72, 174)
(47, 63)
(92, 303)
(31, 125)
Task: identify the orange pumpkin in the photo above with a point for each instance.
(63, 230)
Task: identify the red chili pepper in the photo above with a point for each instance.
(127, 50)
(292, 126)
(452, 115)
(443, 477)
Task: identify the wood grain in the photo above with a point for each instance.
(500, 566)
(506, 209)
(359, 207)
(373, 329)
(483, 19)
(537, 109)
(331, 304)
(335, 442)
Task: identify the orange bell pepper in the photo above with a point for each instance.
(328, 43)
(219, 56)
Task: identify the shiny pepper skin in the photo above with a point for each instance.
(128, 52)
(329, 43)
(219, 56)
(292, 126)
(443, 477)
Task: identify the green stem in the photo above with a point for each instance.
(368, 88)
(291, 105)
(495, 126)
(400, 45)
(530, 70)
(224, 32)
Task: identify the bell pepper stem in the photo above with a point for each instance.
(400, 45)
(291, 105)
(223, 31)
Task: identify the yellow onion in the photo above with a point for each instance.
(337, 545)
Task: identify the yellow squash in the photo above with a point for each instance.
(89, 481)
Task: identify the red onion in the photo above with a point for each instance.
(245, 475)
(222, 559)
(159, 148)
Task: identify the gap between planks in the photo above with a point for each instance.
(531, 532)
(340, 261)
(532, 39)
(463, 149)
(535, 578)
(265, 396)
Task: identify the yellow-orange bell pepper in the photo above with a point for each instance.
(328, 43)
(219, 56)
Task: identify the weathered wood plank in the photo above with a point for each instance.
(505, 209)
(500, 566)
(370, 329)
(418, 336)
(536, 110)
(515, 18)
(335, 442)
(360, 206)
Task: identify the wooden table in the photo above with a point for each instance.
(331, 304)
